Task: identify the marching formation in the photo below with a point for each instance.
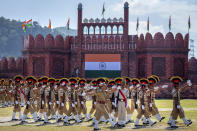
(113, 100)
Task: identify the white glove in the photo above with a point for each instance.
(131, 87)
(28, 102)
(50, 103)
(136, 102)
(35, 102)
(189, 83)
(138, 85)
(83, 94)
(22, 104)
(76, 86)
(127, 105)
(113, 103)
(57, 102)
(63, 83)
(143, 107)
(73, 105)
(178, 106)
(113, 87)
(151, 104)
(16, 102)
(119, 87)
(43, 86)
(95, 103)
(43, 102)
(82, 102)
(55, 86)
(62, 104)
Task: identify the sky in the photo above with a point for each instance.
(60, 10)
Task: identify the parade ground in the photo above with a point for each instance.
(165, 107)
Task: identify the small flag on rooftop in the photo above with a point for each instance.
(170, 24)
(148, 25)
(49, 24)
(67, 25)
(137, 26)
(26, 24)
(103, 10)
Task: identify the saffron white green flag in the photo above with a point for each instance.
(102, 65)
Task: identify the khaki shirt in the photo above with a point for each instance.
(100, 95)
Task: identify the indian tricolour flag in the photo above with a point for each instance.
(102, 65)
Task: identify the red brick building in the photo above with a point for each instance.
(141, 56)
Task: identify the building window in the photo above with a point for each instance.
(103, 30)
(159, 66)
(91, 30)
(85, 30)
(97, 30)
(108, 29)
(115, 30)
(120, 29)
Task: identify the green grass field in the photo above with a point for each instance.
(190, 107)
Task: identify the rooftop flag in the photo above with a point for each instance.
(148, 25)
(24, 28)
(67, 25)
(49, 24)
(137, 26)
(26, 24)
(189, 23)
(170, 24)
(103, 10)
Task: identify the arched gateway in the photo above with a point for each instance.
(103, 47)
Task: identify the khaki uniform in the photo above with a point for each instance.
(49, 99)
(108, 103)
(81, 102)
(2, 94)
(142, 106)
(56, 102)
(72, 97)
(134, 100)
(101, 108)
(30, 107)
(93, 105)
(176, 102)
(42, 99)
(151, 107)
(62, 102)
(17, 100)
(36, 99)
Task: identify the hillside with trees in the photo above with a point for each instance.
(11, 34)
